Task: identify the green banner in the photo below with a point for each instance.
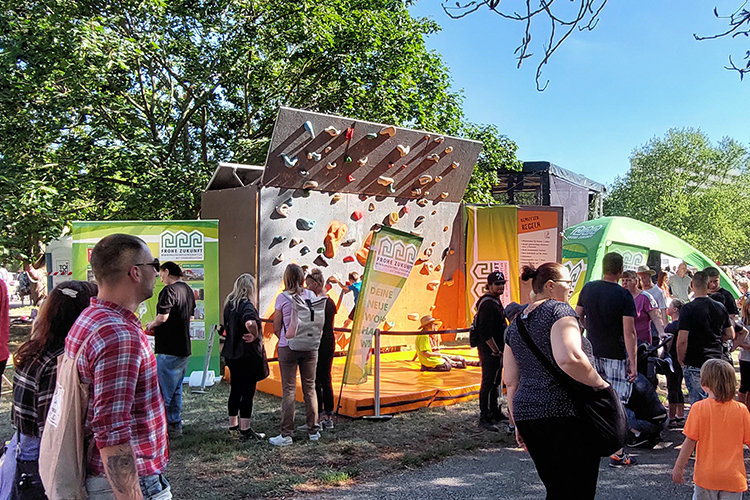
(194, 245)
(391, 258)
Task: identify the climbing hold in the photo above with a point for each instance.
(439, 139)
(289, 162)
(438, 178)
(289, 201)
(282, 210)
(416, 232)
(416, 192)
(314, 156)
(321, 249)
(393, 218)
(279, 258)
(304, 173)
(349, 178)
(336, 197)
(432, 244)
(432, 307)
(388, 325)
(327, 149)
(434, 212)
(413, 316)
(419, 220)
(444, 195)
(406, 209)
(348, 242)
(391, 189)
(427, 193)
(305, 224)
(427, 268)
(451, 251)
(424, 179)
(362, 161)
(331, 165)
(427, 252)
(448, 282)
(390, 164)
(309, 128)
(372, 135)
(432, 285)
(385, 181)
(434, 157)
(332, 131)
(438, 268)
(455, 164)
(335, 233)
(364, 251)
(349, 134)
(348, 258)
(403, 167)
(445, 229)
(294, 242)
(390, 131)
(320, 261)
(304, 250)
(371, 207)
(310, 185)
(422, 202)
(278, 239)
(347, 159)
(403, 150)
(357, 215)
(449, 150)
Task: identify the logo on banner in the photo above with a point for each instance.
(577, 270)
(394, 257)
(581, 233)
(181, 245)
(631, 261)
(479, 272)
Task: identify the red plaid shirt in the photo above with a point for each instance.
(125, 405)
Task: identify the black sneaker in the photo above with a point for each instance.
(488, 425)
(250, 435)
(499, 416)
(639, 440)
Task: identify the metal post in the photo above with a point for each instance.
(209, 348)
(377, 415)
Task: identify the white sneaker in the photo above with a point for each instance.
(281, 440)
(302, 427)
(313, 437)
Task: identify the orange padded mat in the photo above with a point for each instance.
(403, 386)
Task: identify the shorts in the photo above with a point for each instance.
(615, 371)
(704, 494)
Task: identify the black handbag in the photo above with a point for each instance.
(600, 408)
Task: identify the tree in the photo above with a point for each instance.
(498, 152)
(122, 110)
(696, 190)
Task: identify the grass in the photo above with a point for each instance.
(209, 463)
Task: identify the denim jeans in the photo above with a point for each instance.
(693, 383)
(171, 370)
(152, 487)
(646, 426)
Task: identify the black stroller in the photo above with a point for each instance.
(651, 363)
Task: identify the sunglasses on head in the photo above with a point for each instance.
(155, 264)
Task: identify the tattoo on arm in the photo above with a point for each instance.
(123, 474)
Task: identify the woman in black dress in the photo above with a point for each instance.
(244, 353)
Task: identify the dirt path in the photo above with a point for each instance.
(509, 474)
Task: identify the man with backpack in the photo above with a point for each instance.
(125, 426)
(487, 334)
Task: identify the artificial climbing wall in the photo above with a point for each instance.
(330, 181)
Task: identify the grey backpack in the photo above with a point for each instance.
(306, 324)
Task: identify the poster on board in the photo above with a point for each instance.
(194, 245)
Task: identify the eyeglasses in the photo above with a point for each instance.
(498, 283)
(154, 264)
(563, 281)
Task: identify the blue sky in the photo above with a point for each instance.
(611, 90)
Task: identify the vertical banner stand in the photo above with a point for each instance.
(377, 415)
(209, 348)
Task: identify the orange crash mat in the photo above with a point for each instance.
(403, 386)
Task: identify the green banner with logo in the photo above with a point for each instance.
(391, 258)
(194, 245)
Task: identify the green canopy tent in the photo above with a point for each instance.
(585, 244)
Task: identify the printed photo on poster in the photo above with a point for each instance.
(193, 274)
(200, 311)
(197, 330)
(199, 293)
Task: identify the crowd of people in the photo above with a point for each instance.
(636, 323)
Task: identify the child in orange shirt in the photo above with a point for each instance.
(719, 426)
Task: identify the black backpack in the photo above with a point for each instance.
(473, 334)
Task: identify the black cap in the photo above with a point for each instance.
(494, 277)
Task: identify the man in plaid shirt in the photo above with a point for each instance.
(126, 434)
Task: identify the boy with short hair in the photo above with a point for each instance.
(719, 426)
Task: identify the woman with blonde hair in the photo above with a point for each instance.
(290, 360)
(244, 353)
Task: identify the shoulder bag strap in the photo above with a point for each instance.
(561, 377)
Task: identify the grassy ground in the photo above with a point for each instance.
(209, 463)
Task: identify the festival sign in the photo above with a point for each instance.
(192, 244)
(391, 258)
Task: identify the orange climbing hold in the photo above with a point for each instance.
(363, 252)
(334, 236)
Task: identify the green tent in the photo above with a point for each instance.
(585, 244)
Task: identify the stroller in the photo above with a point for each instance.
(651, 363)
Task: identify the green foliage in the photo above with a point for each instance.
(122, 110)
(696, 190)
(497, 152)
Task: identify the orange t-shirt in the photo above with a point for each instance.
(720, 430)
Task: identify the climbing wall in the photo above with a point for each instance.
(330, 181)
